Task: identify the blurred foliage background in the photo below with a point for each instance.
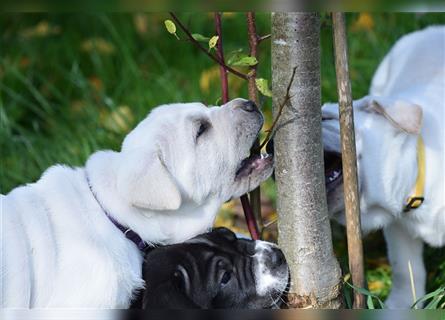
(71, 84)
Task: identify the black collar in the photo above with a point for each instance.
(128, 233)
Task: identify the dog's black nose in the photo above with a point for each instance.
(249, 106)
(277, 257)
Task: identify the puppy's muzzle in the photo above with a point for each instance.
(249, 106)
(277, 258)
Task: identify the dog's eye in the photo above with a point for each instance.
(226, 278)
(178, 280)
(202, 128)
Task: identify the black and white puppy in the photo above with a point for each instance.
(215, 270)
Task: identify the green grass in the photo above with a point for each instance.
(59, 101)
(71, 84)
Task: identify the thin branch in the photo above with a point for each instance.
(269, 223)
(265, 37)
(250, 218)
(254, 195)
(200, 47)
(253, 44)
(280, 110)
(220, 54)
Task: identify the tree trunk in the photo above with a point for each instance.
(303, 225)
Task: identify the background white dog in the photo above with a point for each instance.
(407, 98)
(175, 169)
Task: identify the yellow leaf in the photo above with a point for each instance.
(229, 205)
(96, 83)
(41, 29)
(98, 44)
(363, 22)
(78, 106)
(222, 221)
(229, 14)
(170, 26)
(207, 77)
(140, 23)
(375, 286)
(213, 41)
(119, 120)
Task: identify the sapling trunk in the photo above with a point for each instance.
(303, 224)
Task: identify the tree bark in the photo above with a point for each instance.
(349, 159)
(303, 225)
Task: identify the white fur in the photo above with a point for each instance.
(59, 249)
(267, 280)
(409, 87)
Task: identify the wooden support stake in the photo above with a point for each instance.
(351, 195)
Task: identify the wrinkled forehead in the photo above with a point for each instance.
(177, 111)
(164, 119)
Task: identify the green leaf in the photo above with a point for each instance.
(200, 37)
(434, 304)
(245, 61)
(213, 41)
(171, 27)
(437, 295)
(263, 87)
(348, 300)
(370, 303)
(235, 56)
(369, 295)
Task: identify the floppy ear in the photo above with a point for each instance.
(401, 114)
(145, 182)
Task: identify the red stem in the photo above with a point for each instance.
(250, 218)
(254, 195)
(220, 54)
(248, 213)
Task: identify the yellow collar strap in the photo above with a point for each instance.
(416, 199)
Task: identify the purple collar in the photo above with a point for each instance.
(128, 233)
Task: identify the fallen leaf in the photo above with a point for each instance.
(118, 120)
(40, 30)
(363, 22)
(98, 44)
(207, 77)
(140, 23)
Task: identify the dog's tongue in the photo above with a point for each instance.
(254, 162)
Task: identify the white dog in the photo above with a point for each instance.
(407, 100)
(69, 240)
